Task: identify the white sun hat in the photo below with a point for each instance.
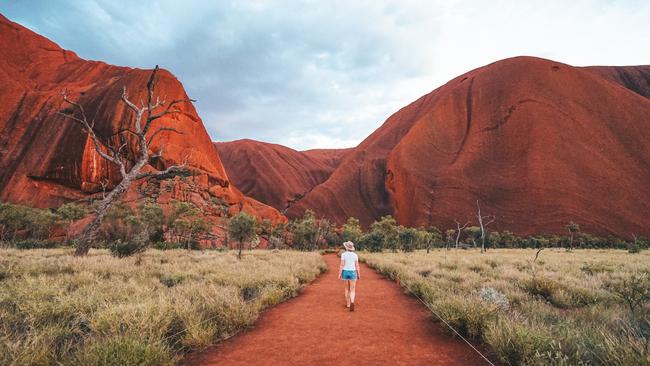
(349, 245)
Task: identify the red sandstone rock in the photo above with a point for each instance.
(275, 174)
(45, 160)
(538, 142)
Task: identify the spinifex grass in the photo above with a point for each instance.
(56, 308)
(566, 308)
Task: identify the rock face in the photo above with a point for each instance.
(275, 174)
(539, 143)
(46, 160)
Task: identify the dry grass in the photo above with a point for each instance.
(100, 310)
(563, 309)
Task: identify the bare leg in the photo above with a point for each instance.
(353, 286)
(347, 293)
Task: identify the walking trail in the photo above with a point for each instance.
(387, 327)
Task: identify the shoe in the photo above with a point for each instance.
(352, 307)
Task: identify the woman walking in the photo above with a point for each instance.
(349, 272)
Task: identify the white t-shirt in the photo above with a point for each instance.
(349, 260)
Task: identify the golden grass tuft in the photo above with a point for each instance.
(559, 310)
(101, 310)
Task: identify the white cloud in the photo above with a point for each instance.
(328, 73)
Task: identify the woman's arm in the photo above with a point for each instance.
(341, 268)
(358, 271)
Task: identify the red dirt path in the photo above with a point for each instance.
(387, 328)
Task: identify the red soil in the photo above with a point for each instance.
(275, 174)
(538, 142)
(46, 160)
(387, 328)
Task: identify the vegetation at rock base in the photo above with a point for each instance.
(588, 307)
(101, 310)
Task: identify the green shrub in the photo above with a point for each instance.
(126, 249)
(633, 290)
(634, 248)
(172, 280)
(166, 245)
(372, 242)
(35, 244)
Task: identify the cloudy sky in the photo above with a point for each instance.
(320, 73)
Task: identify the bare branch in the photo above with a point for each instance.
(125, 130)
(461, 227)
(167, 111)
(161, 129)
(125, 99)
(170, 170)
(491, 219)
(88, 129)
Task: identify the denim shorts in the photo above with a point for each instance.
(348, 275)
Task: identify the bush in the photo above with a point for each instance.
(172, 280)
(407, 238)
(386, 229)
(351, 230)
(372, 242)
(18, 221)
(35, 244)
(634, 248)
(633, 290)
(165, 245)
(126, 249)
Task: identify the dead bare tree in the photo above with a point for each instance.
(130, 171)
(483, 224)
(459, 230)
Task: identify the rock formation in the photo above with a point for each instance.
(46, 160)
(538, 142)
(275, 174)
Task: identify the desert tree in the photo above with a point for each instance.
(449, 234)
(242, 228)
(351, 230)
(483, 222)
(573, 229)
(386, 227)
(407, 238)
(119, 154)
(187, 224)
(459, 230)
(70, 212)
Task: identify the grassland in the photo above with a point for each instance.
(565, 308)
(146, 310)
